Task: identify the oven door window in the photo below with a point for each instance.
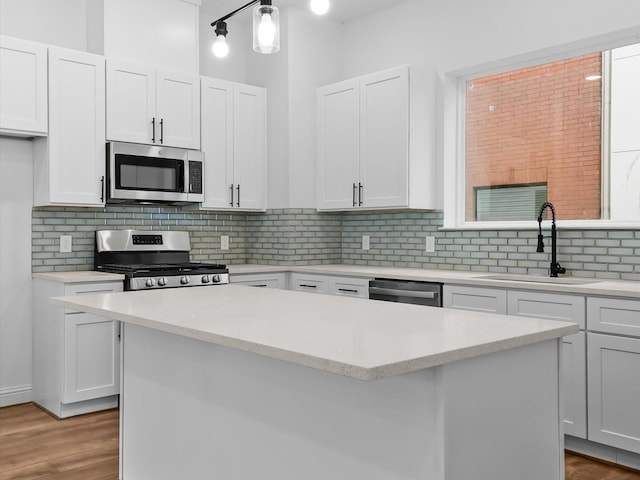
(150, 174)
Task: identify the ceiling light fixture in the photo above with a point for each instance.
(266, 29)
(319, 7)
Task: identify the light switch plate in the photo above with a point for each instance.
(365, 242)
(224, 242)
(430, 244)
(66, 243)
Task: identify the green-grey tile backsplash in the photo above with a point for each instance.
(306, 237)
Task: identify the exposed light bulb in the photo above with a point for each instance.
(220, 47)
(266, 31)
(266, 28)
(319, 7)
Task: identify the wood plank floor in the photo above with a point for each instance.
(36, 446)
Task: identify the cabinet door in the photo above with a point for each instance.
(614, 391)
(76, 150)
(573, 379)
(249, 140)
(91, 357)
(338, 146)
(384, 138)
(131, 98)
(493, 300)
(217, 143)
(178, 110)
(23, 87)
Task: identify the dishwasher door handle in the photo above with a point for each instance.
(402, 293)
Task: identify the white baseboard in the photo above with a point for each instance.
(15, 395)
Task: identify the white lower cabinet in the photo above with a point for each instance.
(568, 308)
(613, 345)
(480, 299)
(330, 284)
(76, 355)
(265, 280)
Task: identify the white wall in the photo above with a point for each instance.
(60, 22)
(16, 325)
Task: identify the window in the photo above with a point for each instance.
(567, 132)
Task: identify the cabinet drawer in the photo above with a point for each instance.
(550, 306)
(349, 287)
(479, 299)
(265, 280)
(309, 283)
(90, 289)
(613, 315)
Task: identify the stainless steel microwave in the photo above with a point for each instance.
(148, 174)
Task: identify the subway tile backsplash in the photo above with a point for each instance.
(306, 237)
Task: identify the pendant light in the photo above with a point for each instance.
(220, 47)
(266, 28)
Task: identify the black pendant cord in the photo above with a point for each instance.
(238, 10)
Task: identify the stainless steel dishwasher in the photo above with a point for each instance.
(406, 291)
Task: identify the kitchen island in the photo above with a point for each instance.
(235, 382)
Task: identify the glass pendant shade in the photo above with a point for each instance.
(266, 28)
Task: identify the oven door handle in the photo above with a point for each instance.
(402, 293)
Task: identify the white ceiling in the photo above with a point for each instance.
(341, 10)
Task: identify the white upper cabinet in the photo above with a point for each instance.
(154, 107)
(23, 87)
(363, 142)
(69, 165)
(234, 145)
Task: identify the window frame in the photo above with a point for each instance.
(454, 131)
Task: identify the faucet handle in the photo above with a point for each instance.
(559, 269)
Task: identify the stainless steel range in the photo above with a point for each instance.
(154, 259)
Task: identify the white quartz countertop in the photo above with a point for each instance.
(563, 284)
(79, 277)
(358, 338)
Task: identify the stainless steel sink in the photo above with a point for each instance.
(511, 277)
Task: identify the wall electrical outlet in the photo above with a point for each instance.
(430, 244)
(365, 242)
(224, 242)
(66, 244)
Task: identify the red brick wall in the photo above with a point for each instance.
(539, 124)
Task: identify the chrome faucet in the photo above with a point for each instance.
(555, 266)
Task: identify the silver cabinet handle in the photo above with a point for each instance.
(403, 293)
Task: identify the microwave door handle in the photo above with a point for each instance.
(153, 134)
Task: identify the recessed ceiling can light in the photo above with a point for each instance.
(593, 77)
(319, 7)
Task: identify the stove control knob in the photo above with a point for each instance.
(162, 281)
(205, 279)
(149, 282)
(215, 278)
(184, 280)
